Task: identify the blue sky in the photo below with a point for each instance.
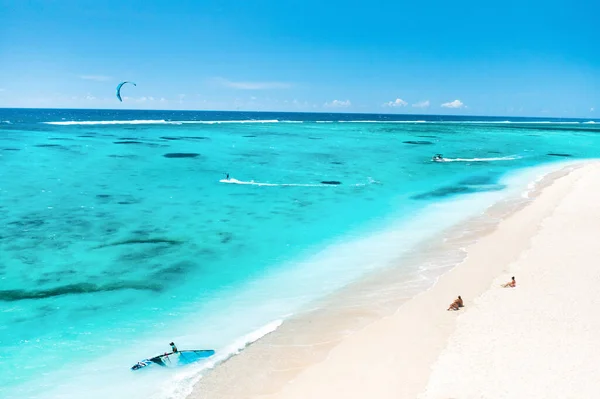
(529, 58)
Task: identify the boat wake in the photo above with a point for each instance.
(325, 183)
(508, 158)
(254, 183)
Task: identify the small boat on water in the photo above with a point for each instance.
(175, 359)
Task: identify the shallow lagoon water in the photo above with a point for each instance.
(120, 234)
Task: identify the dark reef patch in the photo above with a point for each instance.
(127, 142)
(249, 136)
(28, 223)
(11, 149)
(88, 136)
(252, 155)
(478, 180)
(315, 138)
(139, 255)
(184, 138)
(459, 189)
(225, 237)
(79, 288)
(181, 155)
(444, 192)
(195, 138)
(141, 241)
(49, 145)
(331, 182)
(104, 196)
(336, 163)
(557, 154)
(174, 271)
(418, 142)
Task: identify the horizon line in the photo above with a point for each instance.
(295, 112)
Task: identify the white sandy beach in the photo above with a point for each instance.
(540, 339)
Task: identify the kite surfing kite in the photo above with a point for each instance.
(119, 89)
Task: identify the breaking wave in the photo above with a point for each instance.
(159, 122)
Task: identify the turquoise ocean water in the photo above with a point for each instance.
(120, 232)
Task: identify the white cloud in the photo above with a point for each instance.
(396, 103)
(453, 104)
(97, 78)
(591, 109)
(338, 104)
(252, 85)
(90, 97)
(421, 104)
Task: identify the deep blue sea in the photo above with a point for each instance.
(120, 231)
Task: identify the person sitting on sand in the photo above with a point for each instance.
(458, 303)
(511, 284)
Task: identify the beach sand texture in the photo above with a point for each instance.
(539, 339)
(542, 338)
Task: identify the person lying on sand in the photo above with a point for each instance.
(511, 284)
(458, 303)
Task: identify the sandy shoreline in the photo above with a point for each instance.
(391, 340)
(540, 339)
